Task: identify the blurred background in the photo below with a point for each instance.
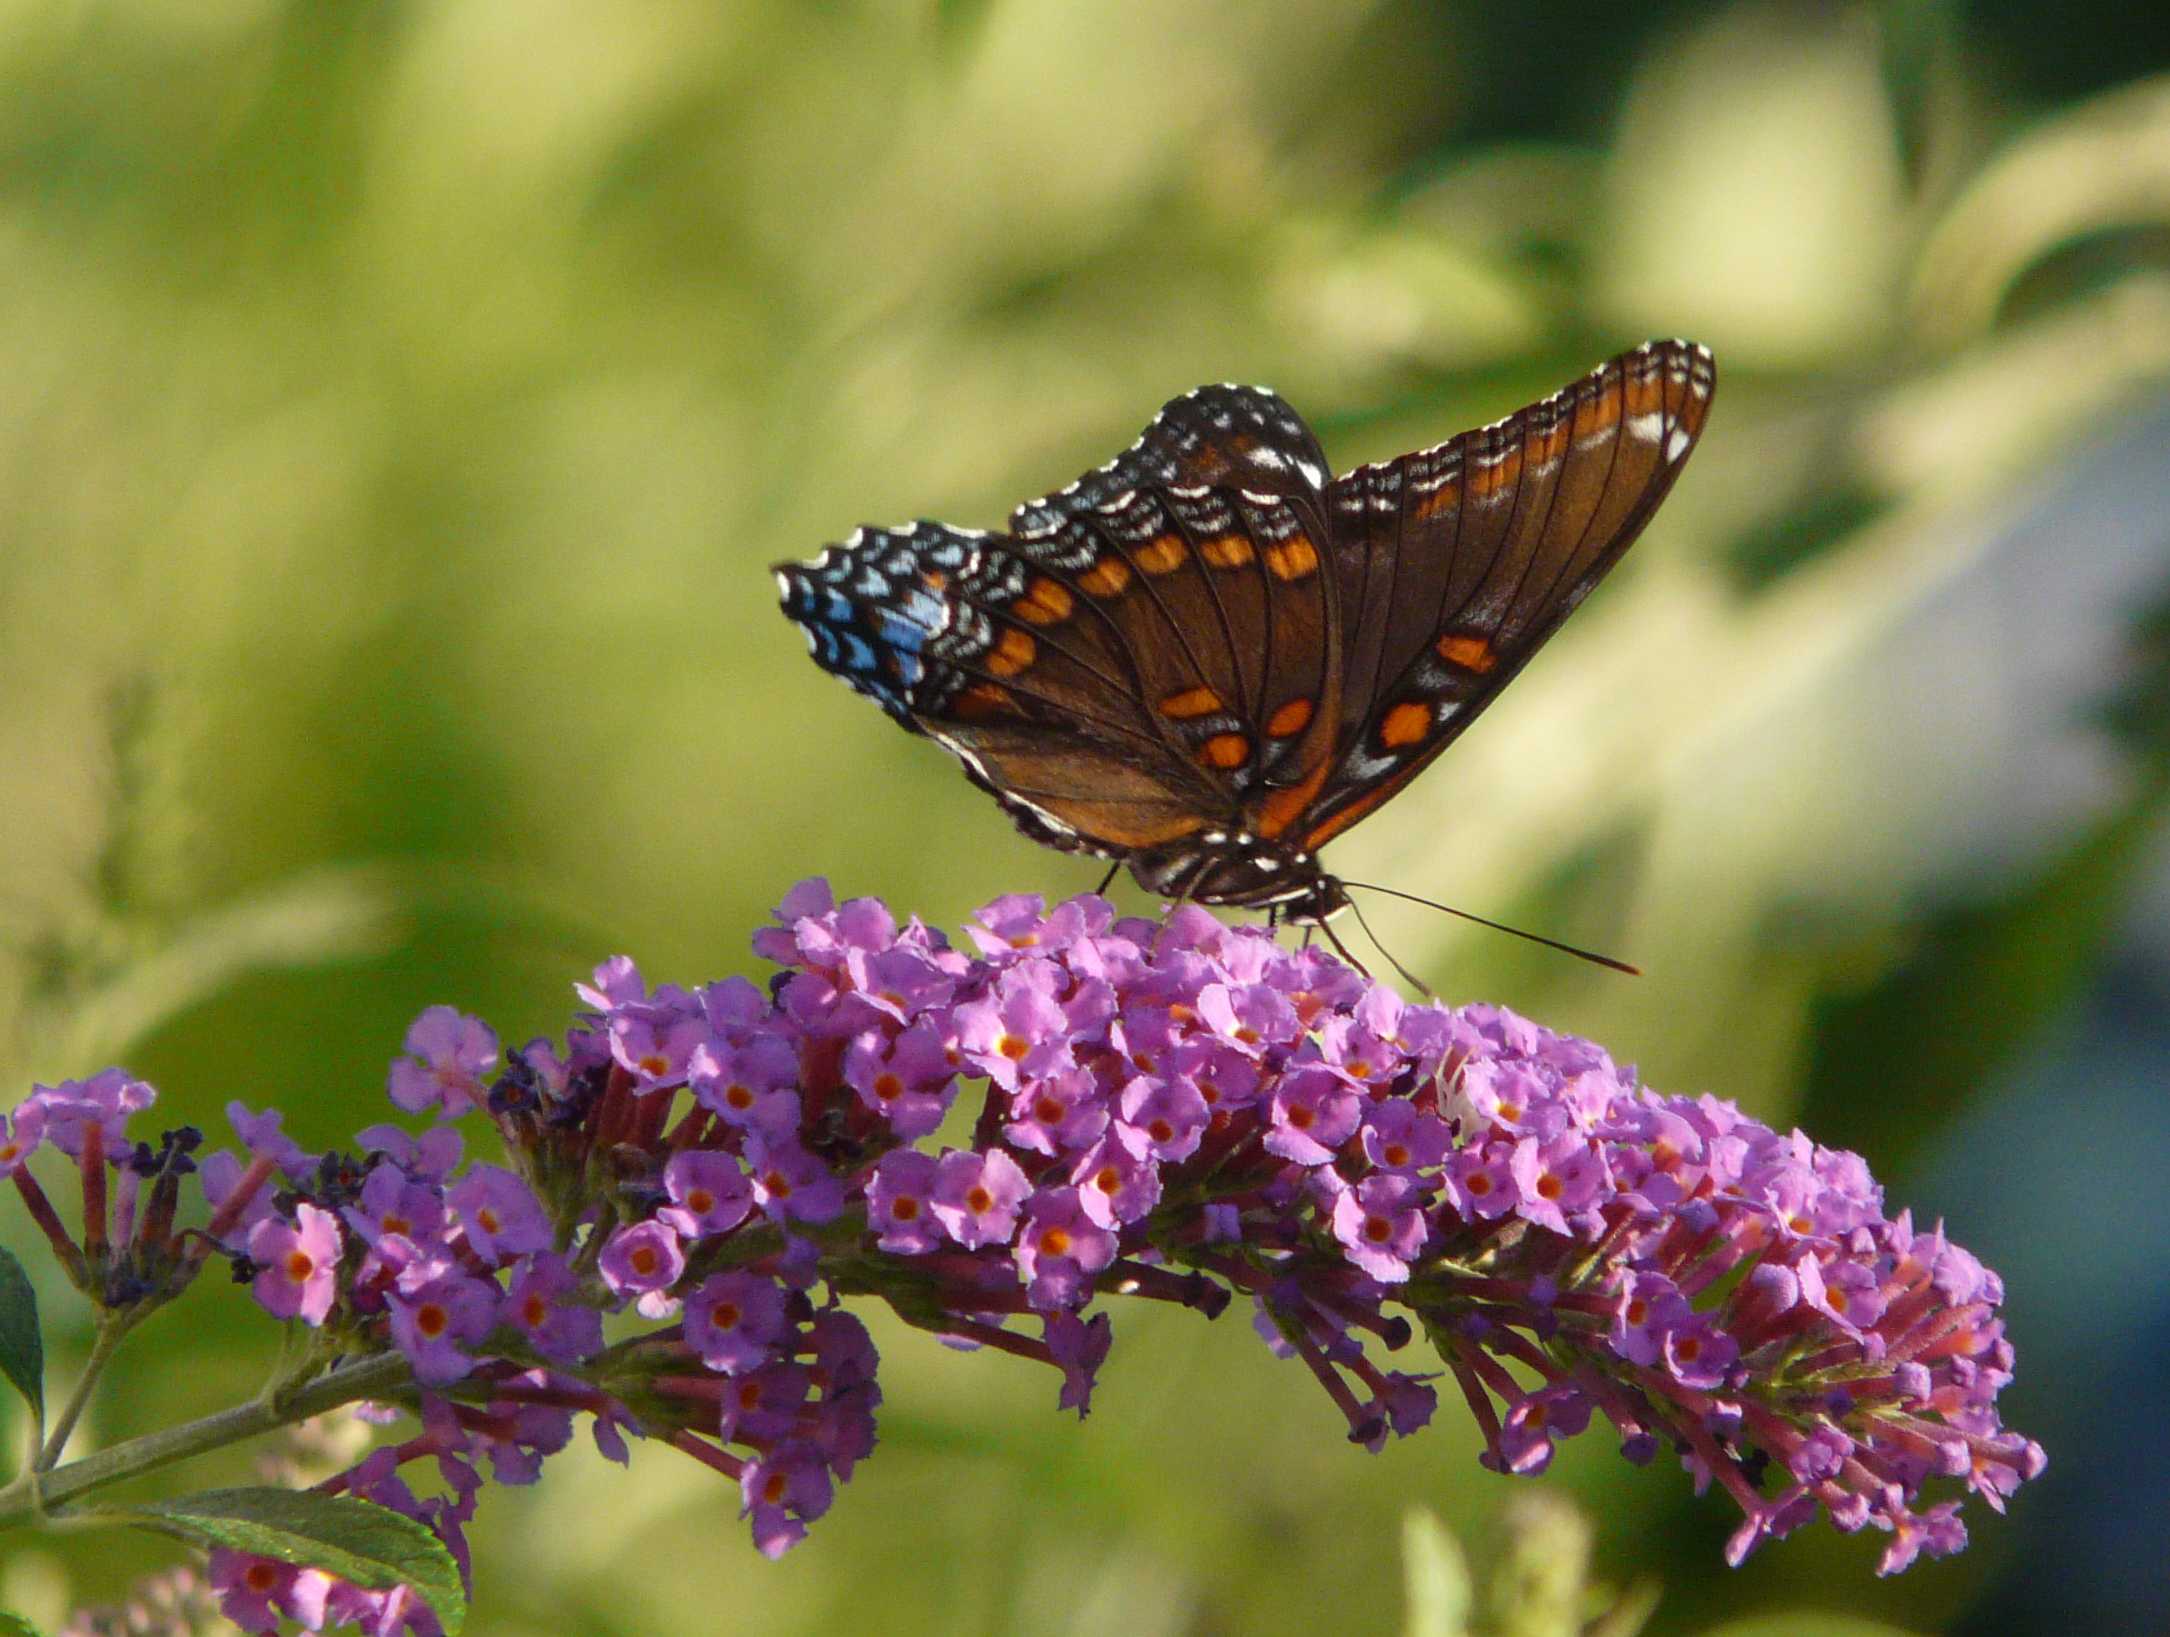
(402, 402)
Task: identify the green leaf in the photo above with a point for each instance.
(14, 1625)
(1435, 1578)
(22, 1349)
(359, 1541)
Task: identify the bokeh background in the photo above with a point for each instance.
(399, 404)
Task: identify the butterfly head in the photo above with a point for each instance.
(1244, 871)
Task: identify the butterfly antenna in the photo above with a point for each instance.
(1423, 988)
(1589, 955)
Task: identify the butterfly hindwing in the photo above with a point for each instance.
(1456, 563)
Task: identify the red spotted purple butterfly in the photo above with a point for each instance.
(1211, 656)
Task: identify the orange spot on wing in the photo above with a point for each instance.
(1290, 720)
(1045, 602)
(982, 700)
(1106, 578)
(1469, 652)
(1294, 558)
(1444, 498)
(1489, 480)
(1228, 551)
(1348, 816)
(1600, 412)
(1405, 725)
(1161, 555)
(1225, 751)
(1191, 702)
(1012, 654)
(1284, 807)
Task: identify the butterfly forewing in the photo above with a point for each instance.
(1456, 563)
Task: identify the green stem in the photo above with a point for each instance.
(112, 1327)
(40, 1492)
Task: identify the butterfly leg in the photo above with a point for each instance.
(1108, 880)
(1341, 948)
(1422, 987)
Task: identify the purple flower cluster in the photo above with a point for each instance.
(1171, 1109)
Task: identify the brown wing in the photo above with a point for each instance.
(1131, 662)
(1455, 563)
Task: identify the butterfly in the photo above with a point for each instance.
(1211, 656)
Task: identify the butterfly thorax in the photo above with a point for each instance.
(1243, 871)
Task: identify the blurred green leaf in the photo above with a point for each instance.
(22, 1343)
(1435, 1578)
(337, 914)
(2102, 164)
(14, 1625)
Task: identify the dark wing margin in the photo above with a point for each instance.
(1455, 563)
